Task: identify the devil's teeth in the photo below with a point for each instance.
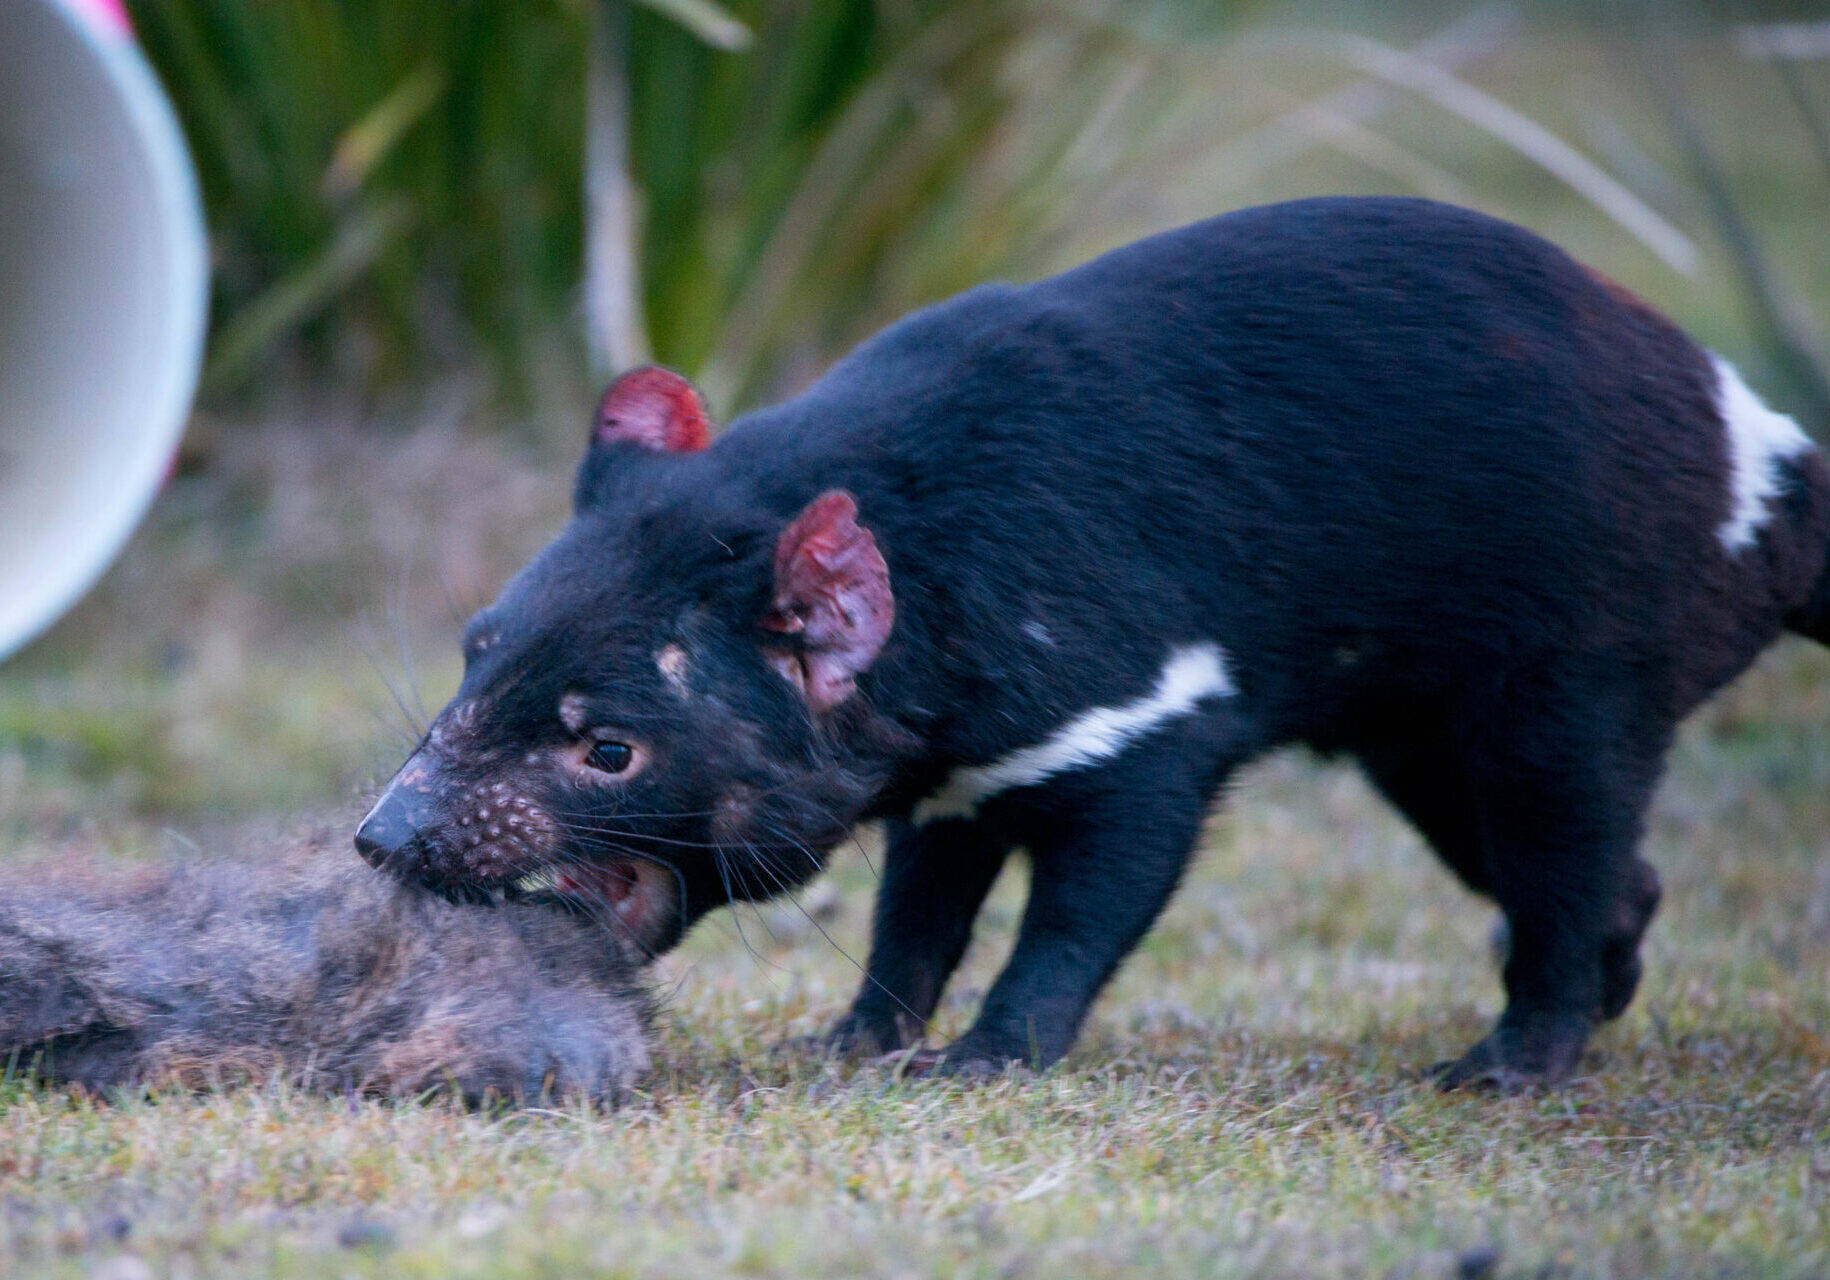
(535, 882)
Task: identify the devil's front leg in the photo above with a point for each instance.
(935, 878)
(1107, 865)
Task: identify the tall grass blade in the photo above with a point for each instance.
(1519, 131)
(710, 22)
(369, 141)
(302, 293)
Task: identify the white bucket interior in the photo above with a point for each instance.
(102, 303)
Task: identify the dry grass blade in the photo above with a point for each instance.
(1239, 158)
(367, 142)
(1519, 131)
(364, 236)
(1785, 329)
(617, 339)
(1816, 127)
(1785, 41)
(845, 155)
(710, 22)
(1382, 155)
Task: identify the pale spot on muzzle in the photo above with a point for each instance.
(572, 712)
(673, 665)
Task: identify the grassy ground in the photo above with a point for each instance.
(1246, 1101)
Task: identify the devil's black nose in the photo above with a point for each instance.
(389, 835)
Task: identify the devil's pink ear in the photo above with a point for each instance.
(655, 408)
(832, 591)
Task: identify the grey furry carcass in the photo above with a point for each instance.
(316, 969)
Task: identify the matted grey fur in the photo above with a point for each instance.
(317, 969)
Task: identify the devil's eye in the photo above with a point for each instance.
(610, 757)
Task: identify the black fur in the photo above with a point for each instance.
(1447, 501)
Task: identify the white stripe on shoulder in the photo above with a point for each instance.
(1192, 673)
(1758, 439)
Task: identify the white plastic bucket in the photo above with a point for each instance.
(103, 295)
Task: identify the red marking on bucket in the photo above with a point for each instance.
(106, 16)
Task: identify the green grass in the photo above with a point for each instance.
(1247, 1100)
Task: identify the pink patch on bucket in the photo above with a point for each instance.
(106, 16)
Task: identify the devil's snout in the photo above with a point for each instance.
(390, 836)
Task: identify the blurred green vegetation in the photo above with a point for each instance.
(390, 185)
(396, 187)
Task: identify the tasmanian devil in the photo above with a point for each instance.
(316, 969)
(1041, 565)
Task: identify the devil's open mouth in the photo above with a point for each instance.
(638, 893)
(605, 884)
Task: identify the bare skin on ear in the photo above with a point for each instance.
(832, 591)
(655, 408)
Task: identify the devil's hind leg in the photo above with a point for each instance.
(1421, 777)
(1559, 773)
(1620, 964)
